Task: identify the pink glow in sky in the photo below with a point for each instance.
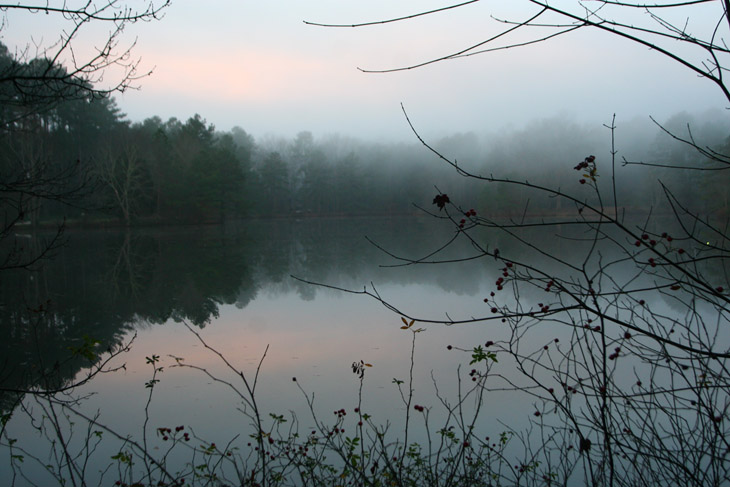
(258, 66)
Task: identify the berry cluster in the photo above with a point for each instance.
(166, 433)
(589, 166)
(469, 214)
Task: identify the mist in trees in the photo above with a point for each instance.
(79, 159)
(186, 171)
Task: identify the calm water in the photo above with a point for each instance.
(233, 285)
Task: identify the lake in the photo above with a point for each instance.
(241, 288)
(233, 284)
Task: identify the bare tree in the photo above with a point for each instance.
(35, 79)
(618, 340)
(119, 167)
(692, 33)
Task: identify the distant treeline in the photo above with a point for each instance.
(186, 171)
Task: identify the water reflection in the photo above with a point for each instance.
(103, 284)
(233, 283)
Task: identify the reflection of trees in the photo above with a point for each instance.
(103, 283)
(100, 286)
(133, 266)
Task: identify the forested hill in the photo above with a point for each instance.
(79, 158)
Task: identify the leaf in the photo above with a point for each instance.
(368, 365)
(404, 321)
(403, 327)
(440, 200)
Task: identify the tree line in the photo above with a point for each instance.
(79, 158)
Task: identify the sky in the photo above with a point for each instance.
(257, 65)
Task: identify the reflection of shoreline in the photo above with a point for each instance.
(103, 281)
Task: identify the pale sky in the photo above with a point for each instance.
(255, 64)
